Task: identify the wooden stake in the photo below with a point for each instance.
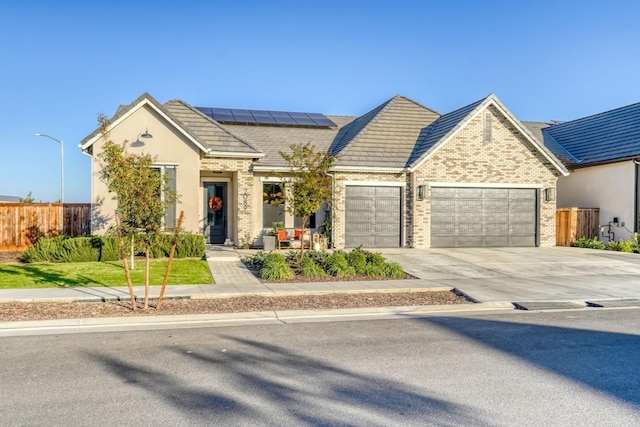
(126, 265)
(173, 250)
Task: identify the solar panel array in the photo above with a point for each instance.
(278, 118)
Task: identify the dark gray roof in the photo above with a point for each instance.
(535, 128)
(432, 134)
(601, 138)
(270, 140)
(384, 137)
(207, 131)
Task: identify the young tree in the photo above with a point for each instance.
(137, 187)
(309, 184)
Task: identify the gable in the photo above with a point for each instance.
(143, 101)
(451, 124)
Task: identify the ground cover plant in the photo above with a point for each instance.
(93, 274)
(356, 264)
(632, 245)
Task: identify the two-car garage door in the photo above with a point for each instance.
(481, 217)
(460, 217)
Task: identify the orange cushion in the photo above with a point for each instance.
(298, 233)
(282, 235)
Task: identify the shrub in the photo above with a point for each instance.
(372, 270)
(357, 259)
(621, 246)
(320, 258)
(393, 269)
(310, 269)
(79, 249)
(276, 268)
(337, 264)
(376, 259)
(44, 249)
(256, 260)
(108, 247)
(584, 242)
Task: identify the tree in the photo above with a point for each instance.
(143, 195)
(308, 184)
(29, 199)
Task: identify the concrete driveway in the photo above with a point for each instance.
(527, 274)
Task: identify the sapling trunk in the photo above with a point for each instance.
(173, 250)
(127, 272)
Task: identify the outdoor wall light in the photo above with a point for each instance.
(145, 135)
(549, 194)
(422, 192)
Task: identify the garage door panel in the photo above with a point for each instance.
(373, 216)
(467, 217)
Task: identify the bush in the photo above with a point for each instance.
(107, 248)
(337, 264)
(376, 259)
(372, 270)
(584, 242)
(621, 246)
(44, 249)
(310, 269)
(276, 268)
(357, 259)
(256, 260)
(393, 269)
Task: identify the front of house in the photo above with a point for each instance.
(405, 175)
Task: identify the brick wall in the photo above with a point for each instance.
(240, 208)
(368, 177)
(508, 158)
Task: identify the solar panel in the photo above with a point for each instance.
(282, 118)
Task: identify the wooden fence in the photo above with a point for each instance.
(22, 224)
(573, 223)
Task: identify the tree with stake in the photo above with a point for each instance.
(309, 184)
(137, 187)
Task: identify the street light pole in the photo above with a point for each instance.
(61, 163)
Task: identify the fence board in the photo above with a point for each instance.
(573, 223)
(22, 224)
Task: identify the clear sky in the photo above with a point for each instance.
(63, 62)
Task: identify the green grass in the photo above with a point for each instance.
(82, 274)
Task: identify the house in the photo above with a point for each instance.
(602, 153)
(405, 175)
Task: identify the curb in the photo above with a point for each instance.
(138, 323)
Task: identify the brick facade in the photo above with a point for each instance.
(508, 158)
(240, 207)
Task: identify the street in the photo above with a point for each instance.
(574, 367)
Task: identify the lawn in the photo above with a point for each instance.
(70, 275)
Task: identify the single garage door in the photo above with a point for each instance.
(372, 216)
(482, 217)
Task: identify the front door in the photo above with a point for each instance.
(216, 212)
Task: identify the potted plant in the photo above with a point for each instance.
(269, 240)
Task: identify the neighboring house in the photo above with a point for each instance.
(405, 175)
(602, 152)
(9, 199)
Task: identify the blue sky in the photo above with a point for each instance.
(64, 62)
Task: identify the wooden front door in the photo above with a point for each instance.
(216, 212)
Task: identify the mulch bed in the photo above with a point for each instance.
(18, 311)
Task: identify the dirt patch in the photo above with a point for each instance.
(48, 311)
(10, 257)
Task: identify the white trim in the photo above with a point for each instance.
(367, 169)
(233, 154)
(271, 179)
(135, 108)
(375, 183)
(165, 164)
(258, 168)
(484, 185)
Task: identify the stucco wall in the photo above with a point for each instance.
(167, 146)
(507, 159)
(608, 187)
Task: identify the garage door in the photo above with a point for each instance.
(372, 216)
(480, 217)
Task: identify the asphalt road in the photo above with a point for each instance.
(579, 367)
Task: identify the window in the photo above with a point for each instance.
(311, 222)
(273, 209)
(169, 221)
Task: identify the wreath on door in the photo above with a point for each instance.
(215, 203)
